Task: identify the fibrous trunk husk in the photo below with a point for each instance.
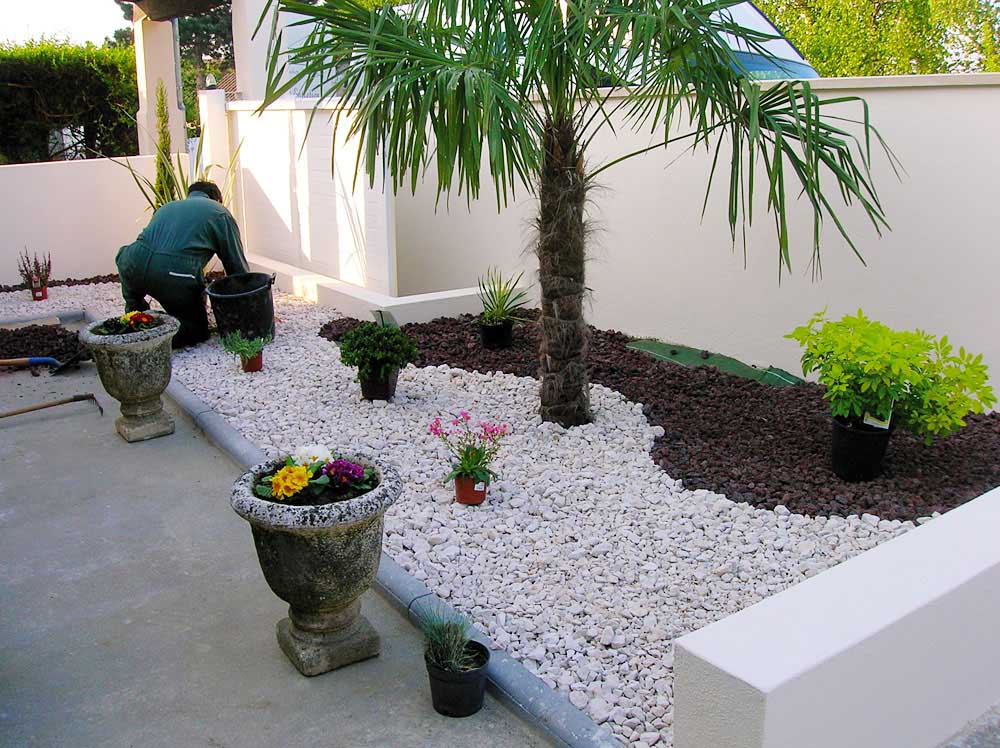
(565, 393)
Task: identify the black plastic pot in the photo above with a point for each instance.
(243, 303)
(380, 388)
(858, 450)
(500, 335)
(459, 694)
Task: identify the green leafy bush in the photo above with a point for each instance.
(501, 299)
(48, 85)
(376, 350)
(913, 378)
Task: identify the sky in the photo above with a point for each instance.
(77, 20)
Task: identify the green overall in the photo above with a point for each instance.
(168, 259)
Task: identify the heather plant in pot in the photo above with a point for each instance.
(249, 350)
(317, 520)
(35, 274)
(132, 353)
(379, 352)
(502, 303)
(877, 378)
(473, 451)
(456, 667)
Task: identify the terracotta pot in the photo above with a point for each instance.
(320, 560)
(135, 369)
(254, 363)
(39, 293)
(469, 491)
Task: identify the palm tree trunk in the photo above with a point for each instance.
(562, 190)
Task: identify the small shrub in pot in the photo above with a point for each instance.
(877, 378)
(456, 667)
(35, 274)
(249, 350)
(502, 302)
(379, 352)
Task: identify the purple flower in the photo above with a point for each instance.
(343, 472)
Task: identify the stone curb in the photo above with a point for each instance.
(514, 683)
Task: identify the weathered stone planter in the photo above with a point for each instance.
(135, 369)
(320, 560)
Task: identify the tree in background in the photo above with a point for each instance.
(890, 37)
(522, 86)
(165, 184)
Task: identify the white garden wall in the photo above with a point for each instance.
(80, 211)
(895, 648)
(295, 209)
(657, 270)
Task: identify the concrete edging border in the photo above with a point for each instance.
(510, 680)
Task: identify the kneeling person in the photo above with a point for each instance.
(168, 259)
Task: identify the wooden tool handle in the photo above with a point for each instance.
(52, 404)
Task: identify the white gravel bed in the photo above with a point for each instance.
(585, 562)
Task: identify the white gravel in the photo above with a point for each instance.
(586, 561)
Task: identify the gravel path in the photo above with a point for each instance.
(587, 559)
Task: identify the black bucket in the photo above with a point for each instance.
(242, 303)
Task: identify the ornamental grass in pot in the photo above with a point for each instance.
(473, 451)
(456, 667)
(132, 353)
(317, 521)
(502, 302)
(250, 351)
(877, 378)
(35, 274)
(379, 352)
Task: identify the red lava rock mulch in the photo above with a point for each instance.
(752, 442)
(39, 340)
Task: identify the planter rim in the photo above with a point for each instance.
(277, 516)
(449, 676)
(169, 328)
(841, 422)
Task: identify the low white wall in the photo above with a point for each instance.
(657, 270)
(895, 647)
(80, 211)
(294, 209)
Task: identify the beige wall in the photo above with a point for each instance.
(657, 270)
(80, 211)
(294, 209)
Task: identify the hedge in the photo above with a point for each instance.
(46, 86)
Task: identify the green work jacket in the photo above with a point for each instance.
(183, 235)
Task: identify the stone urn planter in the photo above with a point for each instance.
(320, 560)
(135, 370)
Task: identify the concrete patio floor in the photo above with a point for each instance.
(134, 612)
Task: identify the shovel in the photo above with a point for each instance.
(57, 366)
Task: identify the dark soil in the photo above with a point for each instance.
(39, 340)
(752, 442)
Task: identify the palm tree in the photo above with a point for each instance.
(526, 84)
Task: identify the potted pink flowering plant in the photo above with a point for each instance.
(473, 449)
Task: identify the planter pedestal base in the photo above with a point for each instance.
(314, 651)
(144, 420)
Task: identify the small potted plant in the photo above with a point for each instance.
(456, 667)
(877, 379)
(501, 303)
(317, 519)
(249, 350)
(379, 352)
(132, 353)
(473, 450)
(35, 274)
